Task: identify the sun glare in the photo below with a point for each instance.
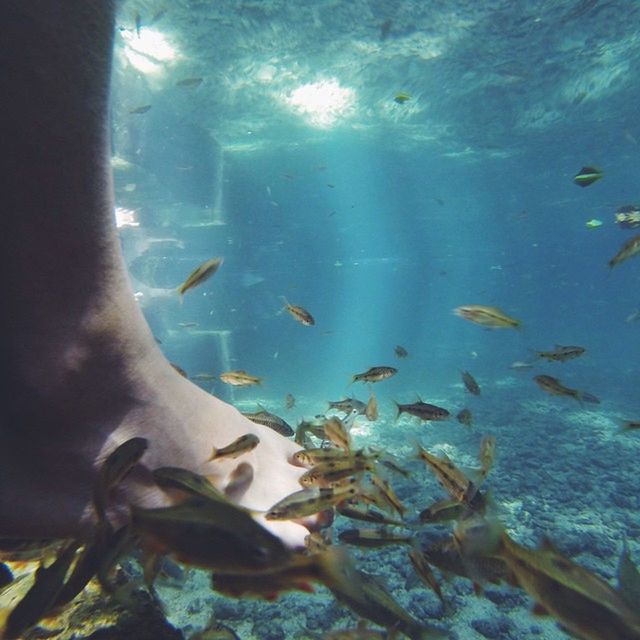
(150, 51)
(322, 103)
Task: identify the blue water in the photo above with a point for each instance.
(384, 222)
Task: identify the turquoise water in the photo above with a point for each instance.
(380, 218)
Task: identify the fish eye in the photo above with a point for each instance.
(260, 554)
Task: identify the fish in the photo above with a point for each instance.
(310, 457)
(491, 317)
(189, 82)
(371, 410)
(374, 374)
(629, 425)
(554, 387)
(368, 597)
(465, 417)
(445, 554)
(454, 481)
(593, 223)
(204, 377)
(138, 24)
(337, 433)
(240, 446)
(400, 351)
(587, 176)
(200, 274)
(140, 110)
(271, 420)
(239, 378)
(298, 574)
(422, 410)
(305, 427)
(487, 453)
(179, 369)
(348, 405)
(373, 538)
(290, 401)
(584, 604)
(401, 98)
(189, 482)
(309, 501)
(470, 383)
(299, 313)
(628, 250)
(423, 569)
(385, 29)
(443, 511)
(388, 495)
(188, 325)
(355, 511)
(330, 471)
(519, 365)
(561, 353)
(37, 602)
(214, 535)
(113, 470)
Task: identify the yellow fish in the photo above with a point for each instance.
(491, 317)
(200, 274)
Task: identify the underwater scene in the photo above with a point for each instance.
(404, 235)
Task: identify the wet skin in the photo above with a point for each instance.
(81, 371)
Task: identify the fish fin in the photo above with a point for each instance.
(588, 397)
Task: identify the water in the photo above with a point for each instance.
(380, 218)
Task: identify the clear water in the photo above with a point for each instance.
(383, 221)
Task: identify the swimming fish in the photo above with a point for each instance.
(348, 405)
(454, 481)
(140, 110)
(356, 511)
(299, 313)
(215, 535)
(191, 483)
(189, 82)
(371, 410)
(37, 602)
(487, 453)
(373, 538)
(470, 383)
(465, 417)
(375, 374)
(422, 410)
(309, 501)
(424, 572)
(491, 317)
(330, 471)
(554, 387)
(561, 353)
(628, 250)
(271, 420)
(239, 378)
(580, 601)
(443, 510)
(401, 352)
(113, 470)
(238, 447)
(290, 401)
(200, 274)
(593, 223)
(336, 431)
(587, 176)
(401, 98)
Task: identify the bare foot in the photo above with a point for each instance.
(81, 372)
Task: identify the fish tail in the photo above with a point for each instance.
(398, 411)
(214, 454)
